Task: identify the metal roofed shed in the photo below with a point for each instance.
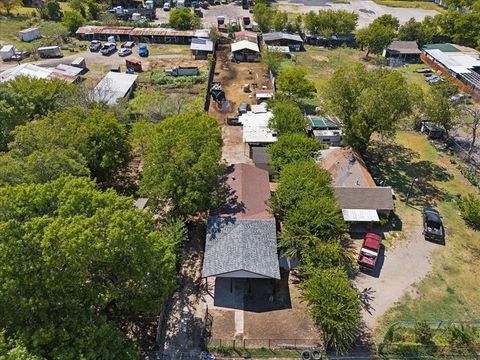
(245, 45)
(241, 237)
(255, 126)
(63, 72)
(113, 87)
(263, 95)
(403, 52)
(29, 34)
(201, 48)
(293, 41)
(360, 215)
(441, 47)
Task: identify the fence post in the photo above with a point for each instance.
(295, 343)
(244, 343)
(234, 344)
(269, 344)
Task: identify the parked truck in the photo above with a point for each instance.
(182, 71)
(49, 52)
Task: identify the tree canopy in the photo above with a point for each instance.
(292, 82)
(376, 37)
(413, 30)
(182, 164)
(291, 148)
(94, 133)
(368, 101)
(183, 19)
(263, 15)
(72, 20)
(287, 117)
(74, 263)
(24, 99)
(438, 107)
(41, 166)
(329, 22)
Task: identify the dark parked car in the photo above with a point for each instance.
(233, 121)
(243, 108)
(369, 252)
(432, 225)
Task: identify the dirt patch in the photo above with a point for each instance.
(223, 326)
(233, 77)
(320, 58)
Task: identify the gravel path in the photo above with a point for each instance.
(398, 269)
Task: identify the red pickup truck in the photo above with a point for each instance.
(370, 249)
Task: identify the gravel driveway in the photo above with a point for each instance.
(397, 271)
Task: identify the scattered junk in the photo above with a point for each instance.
(221, 24)
(432, 130)
(29, 34)
(49, 52)
(115, 68)
(246, 88)
(134, 64)
(182, 71)
(217, 92)
(79, 62)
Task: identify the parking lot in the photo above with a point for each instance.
(230, 11)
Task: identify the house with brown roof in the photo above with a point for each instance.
(360, 199)
(241, 239)
(403, 51)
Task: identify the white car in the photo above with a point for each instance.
(124, 52)
(166, 6)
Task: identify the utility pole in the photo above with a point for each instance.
(414, 180)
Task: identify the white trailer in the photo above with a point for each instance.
(29, 34)
(49, 52)
(7, 52)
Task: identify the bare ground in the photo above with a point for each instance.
(398, 270)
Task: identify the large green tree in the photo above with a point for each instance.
(329, 22)
(375, 38)
(334, 306)
(72, 20)
(75, 262)
(182, 164)
(291, 148)
(9, 5)
(287, 117)
(24, 99)
(41, 167)
(263, 14)
(183, 19)
(369, 101)
(413, 30)
(94, 133)
(292, 82)
(439, 108)
(296, 181)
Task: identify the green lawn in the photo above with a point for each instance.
(425, 5)
(451, 290)
(161, 49)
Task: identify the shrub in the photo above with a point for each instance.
(173, 82)
(423, 333)
(470, 209)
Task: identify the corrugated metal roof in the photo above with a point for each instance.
(245, 45)
(113, 87)
(404, 47)
(360, 215)
(126, 30)
(201, 45)
(275, 36)
(441, 47)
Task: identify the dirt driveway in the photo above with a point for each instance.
(398, 270)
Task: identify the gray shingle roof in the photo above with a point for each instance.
(375, 198)
(236, 244)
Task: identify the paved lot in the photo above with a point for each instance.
(366, 9)
(230, 11)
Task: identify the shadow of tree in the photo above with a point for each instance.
(397, 166)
